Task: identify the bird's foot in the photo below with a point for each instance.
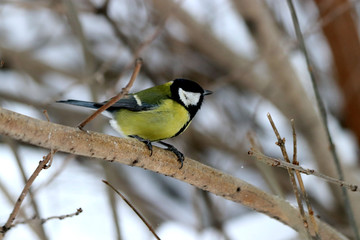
(146, 141)
(179, 154)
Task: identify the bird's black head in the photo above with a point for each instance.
(189, 94)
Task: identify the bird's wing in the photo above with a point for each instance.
(141, 101)
(144, 100)
(132, 103)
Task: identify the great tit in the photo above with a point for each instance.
(156, 113)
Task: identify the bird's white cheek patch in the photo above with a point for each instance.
(189, 98)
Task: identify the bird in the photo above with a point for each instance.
(155, 114)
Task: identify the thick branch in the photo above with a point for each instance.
(134, 153)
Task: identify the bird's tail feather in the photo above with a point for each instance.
(81, 103)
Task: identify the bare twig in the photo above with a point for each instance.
(281, 144)
(346, 200)
(116, 98)
(38, 228)
(46, 115)
(133, 208)
(267, 171)
(301, 183)
(44, 220)
(294, 161)
(280, 163)
(51, 159)
(112, 201)
(54, 175)
(24, 192)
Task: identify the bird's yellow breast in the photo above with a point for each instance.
(160, 123)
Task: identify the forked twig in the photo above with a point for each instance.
(281, 144)
(124, 91)
(280, 163)
(133, 208)
(294, 167)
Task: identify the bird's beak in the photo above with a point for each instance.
(207, 92)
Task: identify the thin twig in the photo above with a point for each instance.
(43, 220)
(112, 201)
(46, 115)
(265, 170)
(133, 208)
(24, 192)
(280, 163)
(294, 161)
(281, 144)
(347, 203)
(51, 158)
(116, 98)
(54, 175)
(15, 149)
(301, 184)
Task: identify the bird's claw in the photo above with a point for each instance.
(146, 141)
(178, 154)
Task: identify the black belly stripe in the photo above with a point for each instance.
(182, 129)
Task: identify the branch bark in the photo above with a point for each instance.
(133, 153)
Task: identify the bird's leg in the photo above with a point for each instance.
(146, 141)
(179, 154)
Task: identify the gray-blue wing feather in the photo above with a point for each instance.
(129, 103)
